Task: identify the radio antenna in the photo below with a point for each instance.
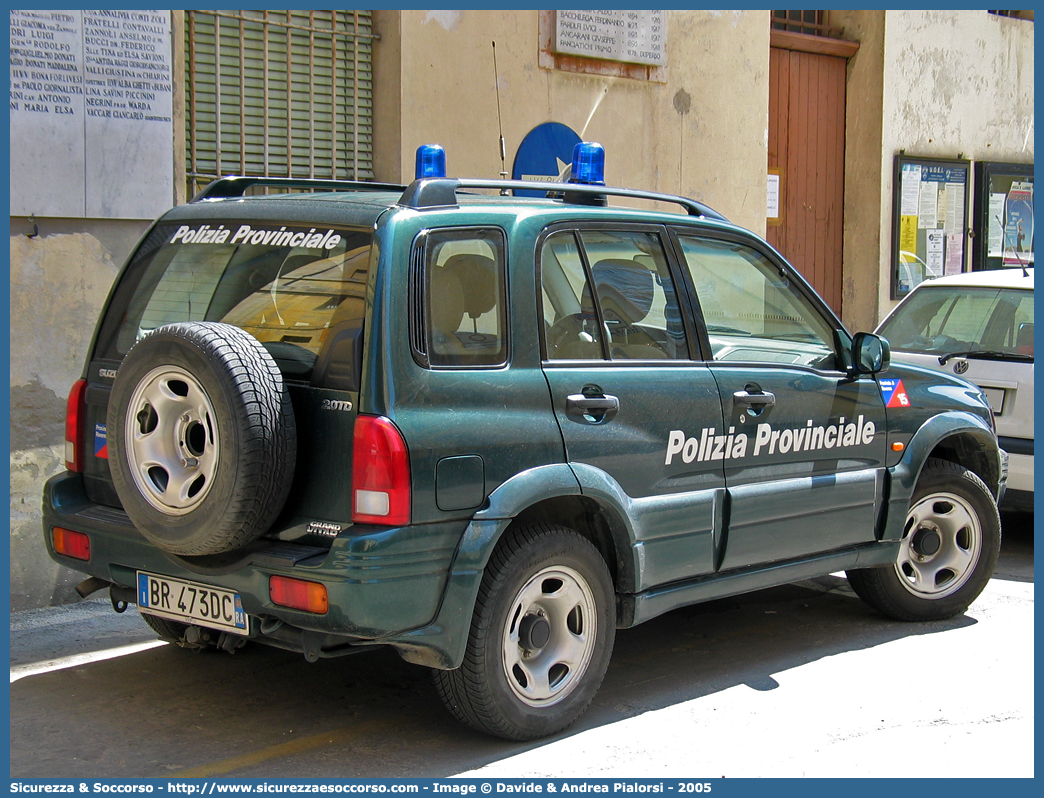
(500, 123)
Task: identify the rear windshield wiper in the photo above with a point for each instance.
(984, 354)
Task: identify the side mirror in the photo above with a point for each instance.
(870, 353)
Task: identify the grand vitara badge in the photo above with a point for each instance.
(324, 528)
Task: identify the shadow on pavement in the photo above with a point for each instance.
(263, 712)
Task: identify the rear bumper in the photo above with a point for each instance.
(381, 582)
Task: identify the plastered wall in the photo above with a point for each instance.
(954, 82)
(935, 83)
(59, 281)
(702, 133)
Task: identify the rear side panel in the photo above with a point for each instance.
(299, 289)
(468, 429)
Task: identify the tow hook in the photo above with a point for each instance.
(121, 597)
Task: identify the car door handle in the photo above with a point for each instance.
(592, 409)
(761, 399)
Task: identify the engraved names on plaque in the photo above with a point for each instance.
(634, 37)
(91, 113)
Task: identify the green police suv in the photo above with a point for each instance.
(488, 423)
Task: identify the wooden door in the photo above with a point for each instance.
(807, 150)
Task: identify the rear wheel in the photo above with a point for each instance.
(540, 639)
(949, 548)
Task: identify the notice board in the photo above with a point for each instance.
(1003, 231)
(929, 220)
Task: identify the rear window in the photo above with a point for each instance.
(961, 319)
(290, 287)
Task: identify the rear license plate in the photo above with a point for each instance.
(995, 396)
(192, 602)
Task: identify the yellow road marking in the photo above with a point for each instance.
(224, 766)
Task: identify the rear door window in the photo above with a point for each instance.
(290, 287)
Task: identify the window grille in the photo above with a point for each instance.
(278, 94)
(812, 23)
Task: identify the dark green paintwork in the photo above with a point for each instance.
(489, 444)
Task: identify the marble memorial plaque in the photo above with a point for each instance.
(91, 114)
(631, 36)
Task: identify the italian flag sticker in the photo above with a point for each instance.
(894, 393)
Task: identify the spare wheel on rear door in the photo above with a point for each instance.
(202, 439)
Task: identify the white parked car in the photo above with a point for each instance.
(979, 326)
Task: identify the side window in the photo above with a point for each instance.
(464, 298)
(637, 316)
(752, 311)
(571, 327)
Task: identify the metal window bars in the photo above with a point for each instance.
(279, 94)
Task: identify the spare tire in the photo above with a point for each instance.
(202, 438)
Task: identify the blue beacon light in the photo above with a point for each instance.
(588, 164)
(431, 161)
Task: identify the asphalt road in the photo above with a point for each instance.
(802, 680)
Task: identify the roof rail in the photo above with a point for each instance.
(237, 185)
(441, 192)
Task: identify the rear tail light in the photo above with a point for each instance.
(75, 417)
(298, 594)
(380, 473)
(72, 544)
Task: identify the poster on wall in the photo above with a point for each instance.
(1003, 222)
(1018, 225)
(930, 220)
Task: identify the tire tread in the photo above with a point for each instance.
(879, 587)
(466, 691)
(267, 451)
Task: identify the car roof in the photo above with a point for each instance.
(993, 278)
(340, 202)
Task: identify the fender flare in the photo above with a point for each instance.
(935, 431)
(441, 644)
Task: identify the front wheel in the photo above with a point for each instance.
(540, 638)
(949, 548)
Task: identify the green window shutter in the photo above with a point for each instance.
(279, 93)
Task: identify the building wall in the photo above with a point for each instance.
(936, 84)
(863, 245)
(955, 83)
(59, 281)
(60, 278)
(703, 133)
